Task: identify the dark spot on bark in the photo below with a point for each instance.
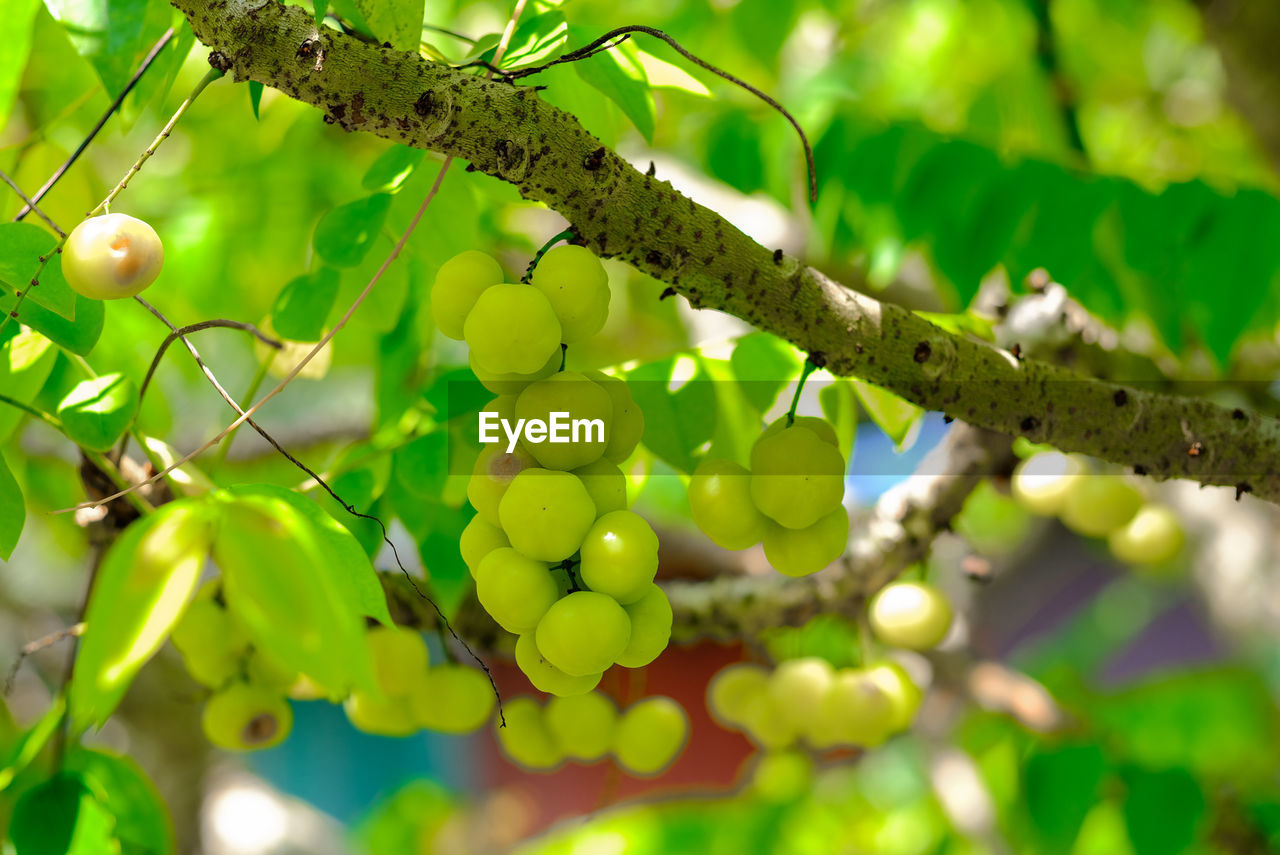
(946, 420)
(1139, 469)
(1121, 397)
(594, 160)
(667, 292)
(777, 256)
(1029, 424)
(219, 61)
(1242, 488)
(923, 352)
(1238, 415)
(424, 105)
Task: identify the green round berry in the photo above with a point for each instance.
(458, 285)
(620, 556)
(583, 633)
(244, 717)
(546, 514)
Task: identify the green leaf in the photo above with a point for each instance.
(20, 17)
(347, 565)
(840, 407)
(78, 336)
(392, 168)
(284, 582)
(539, 39)
(111, 34)
(1163, 810)
(97, 411)
(733, 152)
(422, 466)
(763, 364)
(676, 421)
(1061, 785)
(13, 512)
(763, 25)
(893, 415)
(26, 360)
(1227, 252)
(62, 817)
(255, 97)
(20, 755)
(395, 21)
(141, 590)
(21, 245)
(345, 234)
(621, 79)
(304, 303)
(1218, 722)
(142, 822)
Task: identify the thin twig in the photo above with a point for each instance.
(212, 75)
(115, 105)
(459, 36)
(31, 205)
(602, 43)
(33, 647)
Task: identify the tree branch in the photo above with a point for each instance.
(508, 132)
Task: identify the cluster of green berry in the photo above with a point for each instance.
(249, 708)
(1096, 504)
(416, 695)
(790, 499)
(645, 738)
(557, 558)
(806, 699)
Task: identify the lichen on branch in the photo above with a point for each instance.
(508, 132)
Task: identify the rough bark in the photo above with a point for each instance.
(509, 132)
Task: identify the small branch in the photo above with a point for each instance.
(605, 42)
(898, 534)
(13, 185)
(33, 647)
(115, 105)
(212, 75)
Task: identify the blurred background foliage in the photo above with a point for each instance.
(959, 144)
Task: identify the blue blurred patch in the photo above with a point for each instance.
(877, 465)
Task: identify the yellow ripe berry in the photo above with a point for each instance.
(112, 257)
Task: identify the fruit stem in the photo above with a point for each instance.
(809, 367)
(567, 234)
(866, 640)
(211, 76)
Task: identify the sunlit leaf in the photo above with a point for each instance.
(13, 511)
(96, 412)
(142, 587)
(280, 579)
(345, 234)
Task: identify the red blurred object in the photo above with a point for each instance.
(711, 762)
